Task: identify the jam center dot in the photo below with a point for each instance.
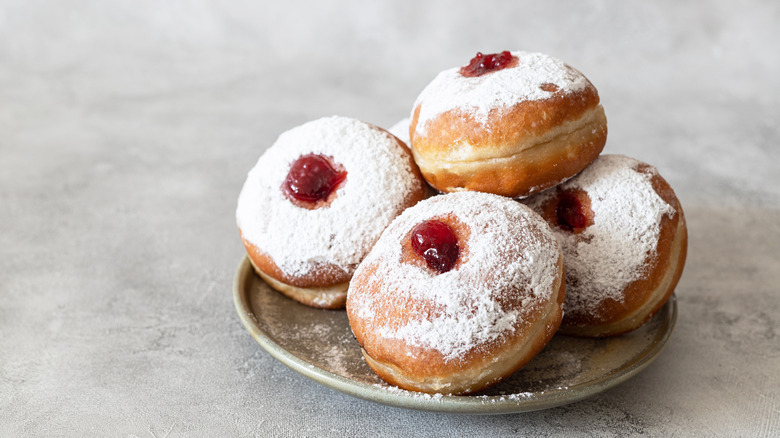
(435, 242)
(482, 64)
(573, 211)
(312, 178)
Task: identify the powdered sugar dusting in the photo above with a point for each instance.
(379, 178)
(477, 96)
(602, 260)
(506, 271)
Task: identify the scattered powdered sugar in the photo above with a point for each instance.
(477, 96)
(505, 271)
(379, 178)
(518, 397)
(608, 255)
(411, 394)
(401, 130)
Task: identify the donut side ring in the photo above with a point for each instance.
(324, 288)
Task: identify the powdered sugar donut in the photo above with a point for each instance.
(460, 291)
(624, 242)
(318, 199)
(509, 123)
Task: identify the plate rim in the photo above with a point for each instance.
(461, 404)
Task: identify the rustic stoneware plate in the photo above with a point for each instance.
(319, 345)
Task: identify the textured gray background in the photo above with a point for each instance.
(127, 128)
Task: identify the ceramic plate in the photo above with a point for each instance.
(319, 344)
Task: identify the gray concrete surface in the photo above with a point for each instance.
(126, 130)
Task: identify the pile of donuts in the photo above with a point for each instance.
(460, 250)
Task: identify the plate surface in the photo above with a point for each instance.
(319, 344)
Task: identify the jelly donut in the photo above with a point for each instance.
(511, 123)
(317, 200)
(624, 242)
(459, 292)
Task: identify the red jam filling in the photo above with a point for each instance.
(437, 244)
(573, 211)
(312, 178)
(482, 64)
